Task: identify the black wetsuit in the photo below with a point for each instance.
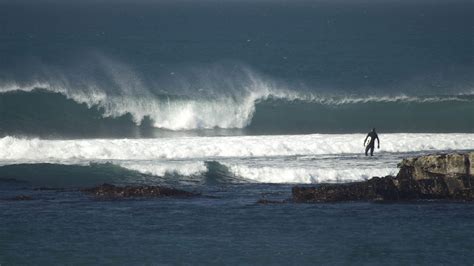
(371, 144)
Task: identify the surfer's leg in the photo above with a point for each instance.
(372, 150)
(367, 149)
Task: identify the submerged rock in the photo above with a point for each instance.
(20, 197)
(265, 201)
(115, 192)
(440, 176)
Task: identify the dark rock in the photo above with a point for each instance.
(55, 189)
(441, 176)
(430, 166)
(373, 189)
(21, 197)
(46, 189)
(115, 192)
(265, 201)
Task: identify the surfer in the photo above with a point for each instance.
(371, 136)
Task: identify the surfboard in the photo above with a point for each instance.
(368, 141)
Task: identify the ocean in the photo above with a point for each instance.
(237, 101)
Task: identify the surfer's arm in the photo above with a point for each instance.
(378, 141)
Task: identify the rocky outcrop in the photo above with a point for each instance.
(109, 191)
(431, 166)
(440, 176)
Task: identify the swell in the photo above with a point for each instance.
(52, 114)
(62, 175)
(56, 175)
(433, 114)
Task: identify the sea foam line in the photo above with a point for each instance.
(12, 148)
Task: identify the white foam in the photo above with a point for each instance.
(12, 148)
(271, 159)
(308, 174)
(161, 168)
(303, 174)
(386, 99)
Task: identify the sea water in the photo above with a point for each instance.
(237, 101)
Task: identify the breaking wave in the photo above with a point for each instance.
(214, 160)
(217, 96)
(44, 113)
(106, 98)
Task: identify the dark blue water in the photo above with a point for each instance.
(70, 228)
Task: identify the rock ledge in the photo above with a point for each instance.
(439, 176)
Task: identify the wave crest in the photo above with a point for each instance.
(193, 100)
(231, 96)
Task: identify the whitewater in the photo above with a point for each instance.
(312, 158)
